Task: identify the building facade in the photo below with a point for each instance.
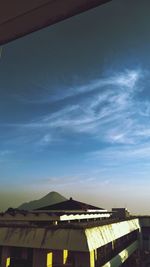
(82, 237)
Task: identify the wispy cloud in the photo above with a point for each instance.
(4, 155)
(111, 112)
(122, 154)
(82, 179)
(44, 94)
(46, 139)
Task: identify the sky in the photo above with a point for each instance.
(75, 110)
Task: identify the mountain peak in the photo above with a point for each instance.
(49, 199)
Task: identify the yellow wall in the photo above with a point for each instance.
(7, 261)
(49, 259)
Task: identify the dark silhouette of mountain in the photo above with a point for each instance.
(49, 199)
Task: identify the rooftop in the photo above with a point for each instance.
(71, 205)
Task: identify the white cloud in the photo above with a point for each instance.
(110, 113)
(127, 79)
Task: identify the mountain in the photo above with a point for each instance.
(49, 199)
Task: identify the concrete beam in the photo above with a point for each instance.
(119, 259)
(18, 18)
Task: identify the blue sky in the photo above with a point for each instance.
(75, 108)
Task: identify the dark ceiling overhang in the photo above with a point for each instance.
(18, 18)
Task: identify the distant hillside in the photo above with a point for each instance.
(49, 199)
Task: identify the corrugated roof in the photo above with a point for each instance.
(73, 239)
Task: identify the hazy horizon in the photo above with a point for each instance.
(75, 109)
(16, 199)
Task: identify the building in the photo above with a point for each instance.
(71, 234)
(120, 213)
(145, 239)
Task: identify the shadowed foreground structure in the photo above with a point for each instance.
(18, 18)
(57, 236)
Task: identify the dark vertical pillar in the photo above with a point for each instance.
(5, 257)
(83, 259)
(39, 258)
(24, 253)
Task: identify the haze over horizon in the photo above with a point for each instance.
(75, 110)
